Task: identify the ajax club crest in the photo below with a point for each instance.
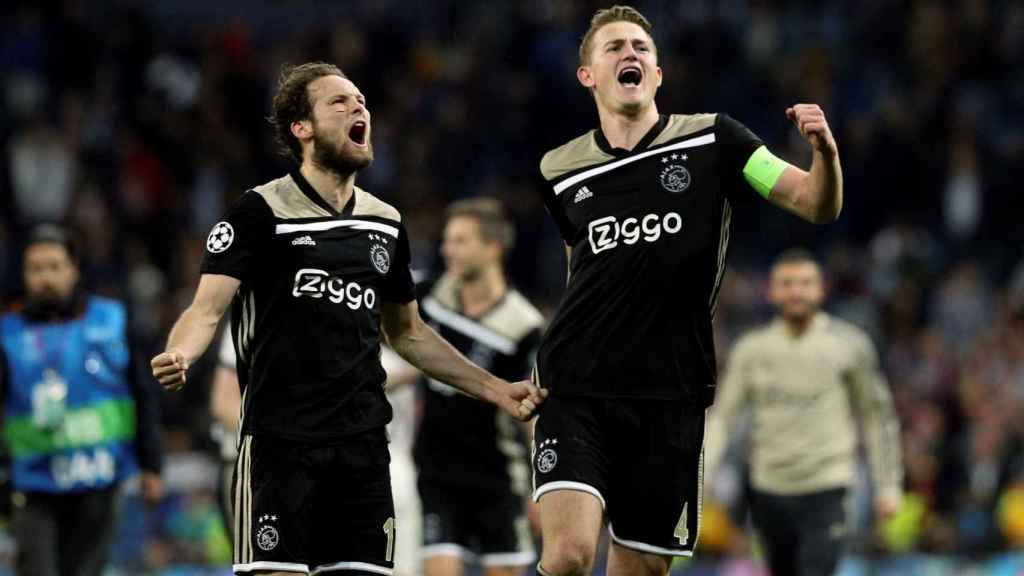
(547, 458)
(267, 536)
(379, 258)
(675, 178)
(379, 253)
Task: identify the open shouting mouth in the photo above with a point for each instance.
(357, 133)
(630, 76)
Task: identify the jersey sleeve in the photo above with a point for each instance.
(398, 285)
(738, 143)
(554, 206)
(234, 243)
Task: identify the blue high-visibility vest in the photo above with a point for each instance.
(82, 439)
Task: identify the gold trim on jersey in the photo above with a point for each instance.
(680, 125)
(287, 201)
(513, 318)
(369, 205)
(583, 151)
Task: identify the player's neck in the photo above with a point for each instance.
(797, 327)
(625, 131)
(336, 189)
(480, 294)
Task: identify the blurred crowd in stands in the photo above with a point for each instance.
(139, 122)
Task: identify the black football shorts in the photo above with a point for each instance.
(642, 459)
(484, 526)
(314, 508)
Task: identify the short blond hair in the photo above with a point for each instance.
(604, 16)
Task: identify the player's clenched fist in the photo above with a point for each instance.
(521, 399)
(810, 120)
(169, 369)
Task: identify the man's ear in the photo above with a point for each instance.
(585, 76)
(302, 130)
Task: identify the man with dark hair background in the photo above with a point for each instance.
(813, 386)
(78, 416)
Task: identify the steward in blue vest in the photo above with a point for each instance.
(77, 417)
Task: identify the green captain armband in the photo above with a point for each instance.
(763, 170)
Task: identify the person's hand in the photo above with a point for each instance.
(810, 120)
(519, 399)
(152, 487)
(169, 369)
(886, 506)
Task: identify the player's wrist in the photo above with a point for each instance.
(494, 389)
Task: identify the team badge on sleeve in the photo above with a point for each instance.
(220, 237)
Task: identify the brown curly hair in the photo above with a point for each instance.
(292, 103)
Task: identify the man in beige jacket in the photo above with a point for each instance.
(812, 384)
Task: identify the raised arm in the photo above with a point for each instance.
(422, 347)
(815, 195)
(194, 329)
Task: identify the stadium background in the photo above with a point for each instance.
(139, 122)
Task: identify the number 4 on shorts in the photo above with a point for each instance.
(682, 533)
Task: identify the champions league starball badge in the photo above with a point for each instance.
(220, 237)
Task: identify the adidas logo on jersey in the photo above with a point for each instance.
(582, 194)
(303, 241)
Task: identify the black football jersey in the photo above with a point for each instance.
(460, 440)
(649, 231)
(306, 318)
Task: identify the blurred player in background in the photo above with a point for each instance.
(78, 415)
(316, 272)
(402, 432)
(810, 380)
(644, 205)
(471, 458)
(226, 409)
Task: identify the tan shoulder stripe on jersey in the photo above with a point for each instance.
(584, 151)
(464, 325)
(369, 205)
(588, 174)
(513, 318)
(287, 201)
(573, 155)
(680, 125)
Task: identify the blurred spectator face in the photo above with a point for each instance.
(466, 253)
(339, 126)
(797, 289)
(623, 70)
(50, 274)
